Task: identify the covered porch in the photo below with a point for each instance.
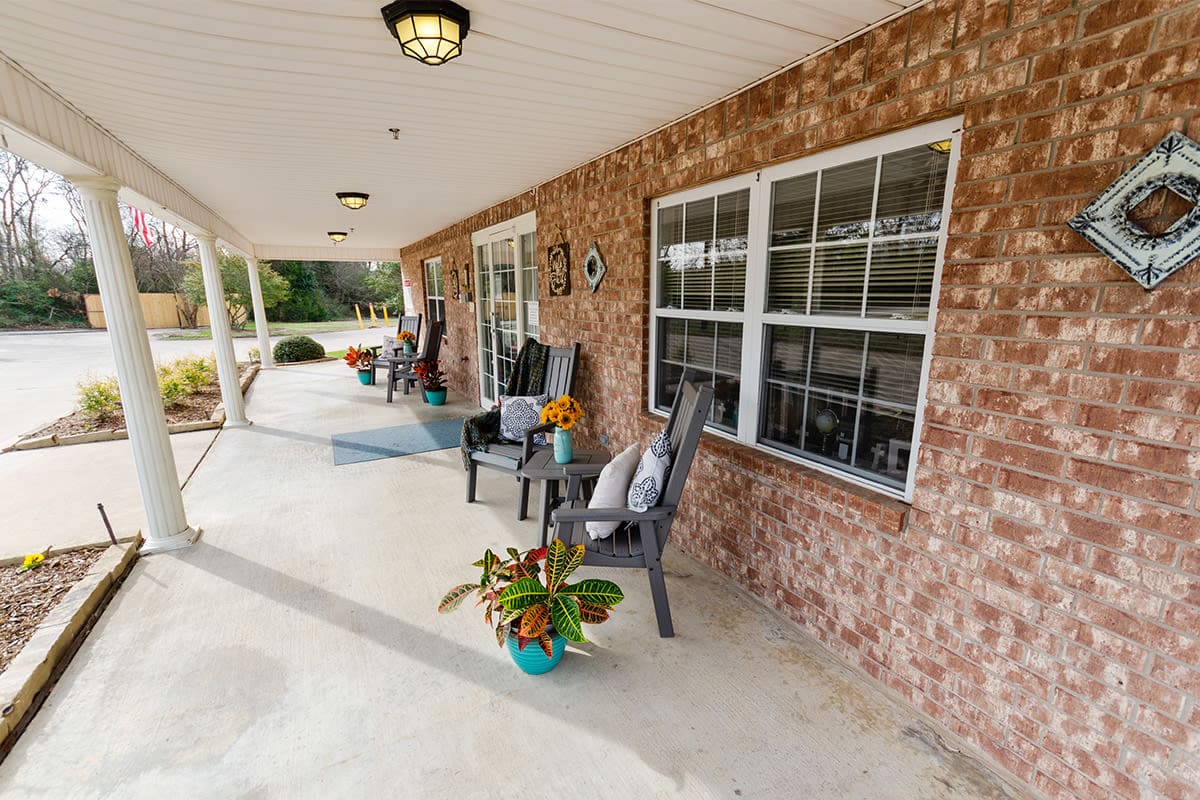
(294, 651)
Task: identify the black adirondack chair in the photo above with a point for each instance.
(410, 323)
(406, 375)
(511, 456)
(640, 540)
(400, 368)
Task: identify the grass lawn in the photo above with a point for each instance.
(275, 328)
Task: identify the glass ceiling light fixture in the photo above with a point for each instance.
(337, 236)
(353, 200)
(431, 31)
(942, 147)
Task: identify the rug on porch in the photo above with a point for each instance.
(398, 440)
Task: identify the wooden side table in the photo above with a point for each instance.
(585, 465)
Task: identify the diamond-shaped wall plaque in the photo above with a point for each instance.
(1173, 164)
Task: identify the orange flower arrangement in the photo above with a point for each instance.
(563, 412)
(407, 337)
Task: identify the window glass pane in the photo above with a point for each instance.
(701, 344)
(669, 376)
(901, 278)
(792, 210)
(894, 367)
(829, 426)
(729, 255)
(885, 443)
(837, 360)
(698, 244)
(787, 281)
(729, 348)
(838, 275)
(674, 335)
(726, 394)
(786, 369)
(912, 186)
(671, 258)
(846, 195)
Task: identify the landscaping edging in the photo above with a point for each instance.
(215, 421)
(302, 363)
(27, 681)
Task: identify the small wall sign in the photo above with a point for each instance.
(558, 257)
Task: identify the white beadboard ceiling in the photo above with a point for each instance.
(262, 109)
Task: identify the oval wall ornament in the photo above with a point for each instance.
(593, 267)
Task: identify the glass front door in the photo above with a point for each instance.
(506, 277)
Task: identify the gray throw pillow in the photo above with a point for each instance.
(520, 413)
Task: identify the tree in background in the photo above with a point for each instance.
(235, 277)
(306, 301)
(386, 282)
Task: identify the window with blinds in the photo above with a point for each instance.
(804, 295)
(435, 292)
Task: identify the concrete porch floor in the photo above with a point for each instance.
(296, 652)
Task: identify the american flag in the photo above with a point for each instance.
(139, 224)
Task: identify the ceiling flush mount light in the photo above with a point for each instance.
(431, 31)
(353, 200)
(337, 236)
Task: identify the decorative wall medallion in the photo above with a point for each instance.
(454, 289)
(1173, 165)
(593, 267)
(558, 258)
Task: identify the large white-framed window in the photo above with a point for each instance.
(805, 295)
(435, 292)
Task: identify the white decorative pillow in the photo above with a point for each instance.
(520, 413)
(612, 487)
(390, 345)
(650, 478)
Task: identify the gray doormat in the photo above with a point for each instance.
(398, 440)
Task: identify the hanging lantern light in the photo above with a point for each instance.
(431, 31)
(337, 236)
(353, 200)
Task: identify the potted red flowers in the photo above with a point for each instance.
(433, 381)
(360, 359)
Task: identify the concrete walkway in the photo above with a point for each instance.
(295, 652)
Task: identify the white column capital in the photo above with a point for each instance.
(204, 236)
(95, 183)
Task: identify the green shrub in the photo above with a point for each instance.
(195, 372)
(98, 397)
(172, 388)
(297, 348)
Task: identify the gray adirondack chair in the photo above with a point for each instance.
(511, 456)
(410, 323)
(400, 368)
(639, 542)
(406, 376)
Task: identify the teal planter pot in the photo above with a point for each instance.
(364, 377)
(532, 660)
(436, 397)
(563, 450)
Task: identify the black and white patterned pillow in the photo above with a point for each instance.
(520, 413)
(650, 477)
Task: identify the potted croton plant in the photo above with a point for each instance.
(531, 606)
(361, 360)
(433, 381)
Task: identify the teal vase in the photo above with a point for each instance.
(364, 376)
(563, 450)
(436, 397)
(532, 660)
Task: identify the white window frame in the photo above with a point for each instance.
(513, 229)
(754, 318)
(435, 263)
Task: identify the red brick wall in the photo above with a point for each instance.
(1041, 595)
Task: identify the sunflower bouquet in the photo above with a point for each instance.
(563, 412)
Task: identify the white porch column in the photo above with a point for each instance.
(152, 455)
(218, 320)
(260, 314)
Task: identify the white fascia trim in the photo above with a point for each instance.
(287, 252)
(68, 142)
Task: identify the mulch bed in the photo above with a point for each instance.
(27, 597)
(195, 408)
